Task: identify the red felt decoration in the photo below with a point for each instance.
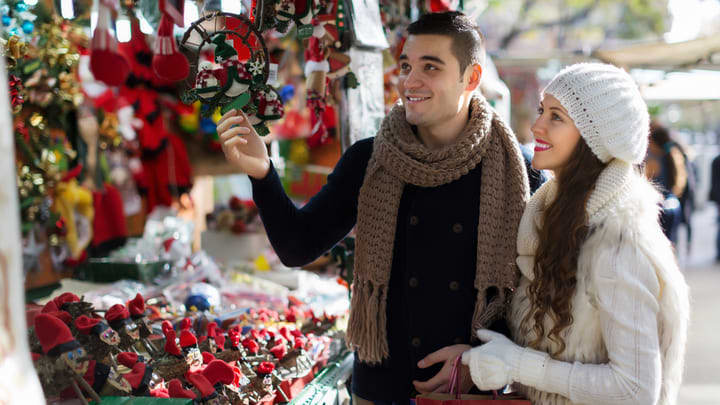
(187, 339)
(285, 332)
(106, 64)
(166, 326)
(279, 350)
(211, 329)
(135, 377)
(51, 332)
(251, 345)
(207, 357)
(127, 359)
(202, 384)
(109, 228)
(137, 305)
(159, 392)
(176, 390)
(62, 315)
(265, 367)
(219, 339)
(65, 298)
(170, 346)
(117, 312)
(219, 371)
(85, 324)
(51, 306)
(168, 63)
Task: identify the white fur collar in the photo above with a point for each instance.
(612, 186)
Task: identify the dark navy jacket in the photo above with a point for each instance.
(431, 296)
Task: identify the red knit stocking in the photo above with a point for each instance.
(168, 63)
(106, 64)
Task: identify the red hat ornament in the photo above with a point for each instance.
(118, 317)
(188, 343)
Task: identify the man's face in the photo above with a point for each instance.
(430, 84)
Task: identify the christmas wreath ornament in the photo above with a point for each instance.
(106, 64)
(230, 61)
(168, 63)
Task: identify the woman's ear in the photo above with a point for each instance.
(475, 76)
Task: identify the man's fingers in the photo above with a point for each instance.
(227, 115)
(442, 388)
(233, 133)
(234, 142)
(430, 385)
(224, 125)
(434, 357)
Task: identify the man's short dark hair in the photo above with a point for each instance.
(467, 40)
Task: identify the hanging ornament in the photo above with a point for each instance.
(284, 14)
(264, 14)
(303, 18)
(230, 61)
(106, 64)
(16, 88)
(168, 63)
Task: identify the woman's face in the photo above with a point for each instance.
(556, 135)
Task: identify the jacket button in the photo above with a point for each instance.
(458, 341)
(454, 286)
(413, 282)
(414, 220)
(415, 342)
(457, 228)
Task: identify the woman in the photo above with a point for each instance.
(601, 312)
(665, 166)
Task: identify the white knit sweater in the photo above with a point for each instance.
(630, 309)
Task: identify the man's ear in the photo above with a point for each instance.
(475, 72)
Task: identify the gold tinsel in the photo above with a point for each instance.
(13, 49)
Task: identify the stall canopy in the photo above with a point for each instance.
(701, 53)
(685, 86)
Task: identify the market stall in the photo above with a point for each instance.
(147, 273)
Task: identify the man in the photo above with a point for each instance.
(715, 197)
(436, 197)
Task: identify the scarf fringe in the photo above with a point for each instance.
(399, 158)
(367, 326)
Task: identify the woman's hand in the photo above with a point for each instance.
(500, 362)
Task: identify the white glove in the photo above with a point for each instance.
(500, 362)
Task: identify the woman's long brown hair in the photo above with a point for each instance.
(564, 229)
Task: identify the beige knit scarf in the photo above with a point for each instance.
(400, 158)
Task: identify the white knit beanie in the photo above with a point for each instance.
(607, 108)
